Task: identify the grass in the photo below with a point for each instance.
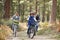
(49, 32)
(57, 36)
(22, 39)
(40, 32)
(44, 31)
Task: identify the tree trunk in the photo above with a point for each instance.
(43, 14)
(19, 7)
(58, 10)
(53, 12)
(30, 6)
(7, 9)
(23, 13)
(48, 14)
(12, 13)
(36, 6)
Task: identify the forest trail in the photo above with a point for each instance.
(23, 36)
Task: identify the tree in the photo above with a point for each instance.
(53, 12)
(43, 14)
(30, 6)
(7, 9)
(58, 11)
(36, 6)
(19, 6)
(23, 12)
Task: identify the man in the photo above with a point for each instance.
(38, 20)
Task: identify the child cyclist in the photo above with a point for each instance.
(31, 21)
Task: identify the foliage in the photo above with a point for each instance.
(5, 31)
(17, 5)
(41, 32)
(57, 36)
(44, 24)
(45, 31)
(6, 22)
(58, 10)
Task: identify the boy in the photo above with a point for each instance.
(31, 21)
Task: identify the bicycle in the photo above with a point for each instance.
(32, 31)
(15, 26)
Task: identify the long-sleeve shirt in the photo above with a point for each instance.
(15, 19)
(34, 18)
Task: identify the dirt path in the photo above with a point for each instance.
(23, 36)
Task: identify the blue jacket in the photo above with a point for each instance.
(31, 21)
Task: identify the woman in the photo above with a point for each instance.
(15, 18)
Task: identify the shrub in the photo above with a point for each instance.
(5, 31)
(41, 32)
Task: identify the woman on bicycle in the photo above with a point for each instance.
(15, 18)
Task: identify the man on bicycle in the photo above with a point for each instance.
(38, 20)
(31, 21)
(15, 19)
